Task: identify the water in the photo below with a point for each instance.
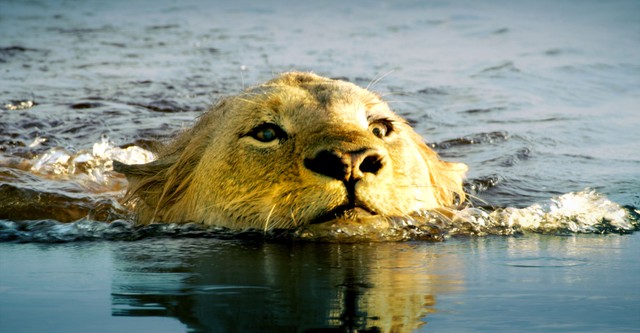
(535, 283)
(540, 99)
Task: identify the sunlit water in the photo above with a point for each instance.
(540, 99)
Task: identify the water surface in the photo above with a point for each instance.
(540, 99)
(535, 283)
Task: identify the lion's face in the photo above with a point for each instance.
(298, 150)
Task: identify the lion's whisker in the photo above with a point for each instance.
(376, 80)
(266, 223)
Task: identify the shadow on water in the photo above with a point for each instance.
(211, 286)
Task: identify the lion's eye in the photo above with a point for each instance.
(380, 128)
(267, 133)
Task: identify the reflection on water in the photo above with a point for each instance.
(215, 286)
(533, 283)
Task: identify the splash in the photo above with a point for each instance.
(19, 105)
(578, 212)
(572, 213)
(94, 166)
(63, 186)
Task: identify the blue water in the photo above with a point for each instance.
(535, 283)
(540, 98)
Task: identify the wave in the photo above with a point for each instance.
(95, 163)
(80, 190)
(573, 213)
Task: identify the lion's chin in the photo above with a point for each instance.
(345, 213)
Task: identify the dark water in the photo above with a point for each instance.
(536, 283)
(540, 98)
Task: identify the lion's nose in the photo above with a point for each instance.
(345, 166)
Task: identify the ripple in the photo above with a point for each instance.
(479, 138)
(19, 105)
(571, 213)
(85, 105)
(483, 110)
(501, 70)
(164, 106)
(482, 184)
(545, 262)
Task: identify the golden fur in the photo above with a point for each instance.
(296, 150)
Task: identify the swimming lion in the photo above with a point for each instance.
(300, 149)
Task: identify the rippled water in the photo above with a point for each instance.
(540, 99)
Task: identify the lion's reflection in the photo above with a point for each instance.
(223, 286)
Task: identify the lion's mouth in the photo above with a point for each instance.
(347, 212)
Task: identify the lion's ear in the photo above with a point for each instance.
(454, 173)
(146, 183)
(136, 172)
(446, 177)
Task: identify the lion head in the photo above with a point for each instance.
(297, 150)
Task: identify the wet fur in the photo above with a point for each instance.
(217, 174)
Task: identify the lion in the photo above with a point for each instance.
(300, 149)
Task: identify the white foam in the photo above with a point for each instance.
(577, 212)
(52, 162)
(105, 150)
(94, 165)
(587, 211)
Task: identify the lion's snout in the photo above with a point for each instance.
(347, 166)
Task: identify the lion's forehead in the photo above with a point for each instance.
(312, 103)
